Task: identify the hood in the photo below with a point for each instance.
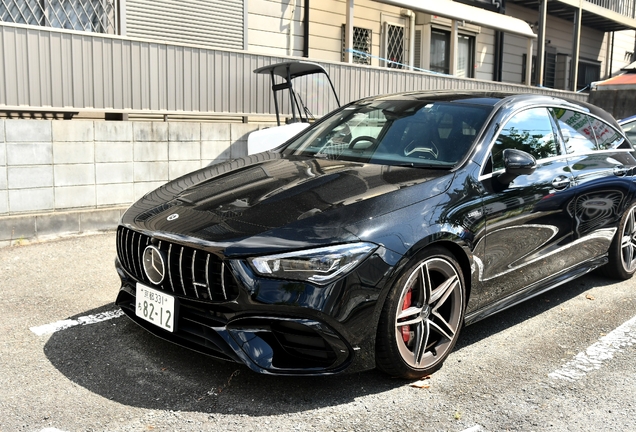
(284, 203)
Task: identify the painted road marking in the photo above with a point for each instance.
(475, 428)
(603, 350)
(84, 320)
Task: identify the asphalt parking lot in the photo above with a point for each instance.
(565, 360)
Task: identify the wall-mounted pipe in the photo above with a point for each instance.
(540, 63)
(411, 15)
(498, 61)
(499, 46)
(348, 56)
(306, 30)
(290, 32)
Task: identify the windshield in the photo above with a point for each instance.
(395, 132)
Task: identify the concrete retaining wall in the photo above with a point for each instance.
(619, 103)
(60, 177)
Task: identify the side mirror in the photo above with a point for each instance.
(516, 163)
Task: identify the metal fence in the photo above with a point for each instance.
(47, 69)
(626, 8)
(98, 16)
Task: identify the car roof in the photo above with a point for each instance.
(498, 99)
(627, 120)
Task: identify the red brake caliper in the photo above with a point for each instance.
(406, 330)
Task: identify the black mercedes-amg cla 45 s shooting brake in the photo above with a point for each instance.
(372, 237)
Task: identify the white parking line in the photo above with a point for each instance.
(64, 324)
(475, 428)
(603, 350)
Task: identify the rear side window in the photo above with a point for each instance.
(630, 130)
(531, 131)
(576, 130)
(606, 136)
(583, 133)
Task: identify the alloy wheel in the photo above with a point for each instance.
(628, 242)
(429, 315)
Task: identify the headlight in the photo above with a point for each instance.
(319, 266)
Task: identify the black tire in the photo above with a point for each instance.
(429, 297)
(622, 251)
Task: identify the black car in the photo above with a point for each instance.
(370, 239)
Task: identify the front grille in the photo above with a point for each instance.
(189, 273)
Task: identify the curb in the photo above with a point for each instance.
(27, 228)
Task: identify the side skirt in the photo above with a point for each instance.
(534, 290)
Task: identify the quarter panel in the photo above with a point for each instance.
(604, 184)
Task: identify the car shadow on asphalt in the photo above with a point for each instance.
(120, 361)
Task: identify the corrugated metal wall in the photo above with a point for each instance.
(45, 69)
(213, 23)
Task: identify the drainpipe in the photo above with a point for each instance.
(409, 13)
(412, 41)
(610, 60)
(576, 47)
(499, 44)
(122, 18)
(498, 61)
(543, 16)
(290, 33)
(306, 30)
(348, 57)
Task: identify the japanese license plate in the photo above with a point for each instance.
(155, 306)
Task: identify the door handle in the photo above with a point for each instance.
(620, 170)
(561, 182)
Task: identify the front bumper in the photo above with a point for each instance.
(267, 326)
(266, 344)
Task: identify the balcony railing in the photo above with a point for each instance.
(626, 8)
(96, 16)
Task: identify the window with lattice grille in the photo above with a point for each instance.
(361, 45)
(98, 16)
(395, 46)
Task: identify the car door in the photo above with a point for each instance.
(602, 164)
(527, 221)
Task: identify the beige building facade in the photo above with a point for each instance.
(154, 89)
(277, 27)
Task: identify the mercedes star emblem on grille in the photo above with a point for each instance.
(154, 264)
(173, 216)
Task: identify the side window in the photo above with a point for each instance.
(606, 136)
(531, 131)
(576, 130)
(630, 130)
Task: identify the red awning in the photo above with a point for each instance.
(622, 82)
